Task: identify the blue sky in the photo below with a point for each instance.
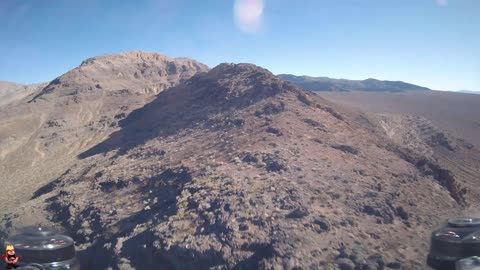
(434, 43)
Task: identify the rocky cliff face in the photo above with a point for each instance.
(237, 169)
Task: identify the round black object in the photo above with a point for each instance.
(44, 247)
(459, 239)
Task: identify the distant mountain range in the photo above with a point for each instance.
(343, 85)
(469, 92)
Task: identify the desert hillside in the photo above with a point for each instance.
(233, 168)
(42, 133)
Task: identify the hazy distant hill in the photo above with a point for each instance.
(10, 91)
(343, 85)
(469, 92)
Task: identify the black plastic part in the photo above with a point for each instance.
(47, 256)
(458, 239)
(441, 263)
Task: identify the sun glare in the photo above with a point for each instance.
(248, 15)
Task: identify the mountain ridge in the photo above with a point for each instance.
(230, 168)
(137, 71)
(345, 85)
(235, 168)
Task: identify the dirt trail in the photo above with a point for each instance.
(36, 148)
(36, 142)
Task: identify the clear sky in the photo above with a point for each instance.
(433, 43)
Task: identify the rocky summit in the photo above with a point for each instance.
(235, 168)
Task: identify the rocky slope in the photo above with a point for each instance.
(41, 134)
(238, 169)
(343, 85)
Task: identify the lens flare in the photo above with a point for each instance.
(248, 15)
(442, 2)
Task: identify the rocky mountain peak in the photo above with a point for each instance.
(133, 72)
(230, 69)
(131, 56)
(238, 83)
